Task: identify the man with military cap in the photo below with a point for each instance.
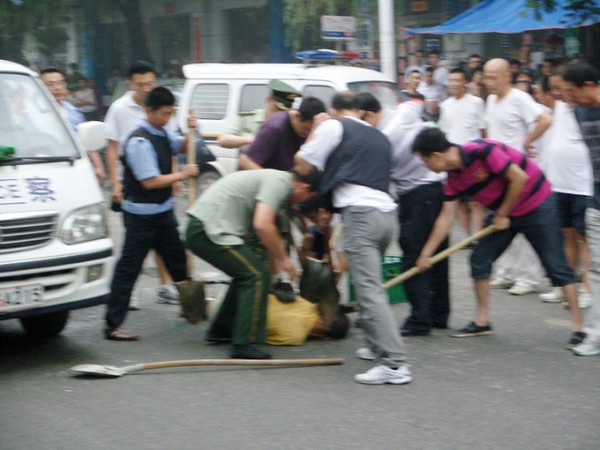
(248, 122)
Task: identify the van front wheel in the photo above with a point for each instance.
(205, 180)
(45, 325)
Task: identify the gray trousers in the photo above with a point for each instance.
(367, 234)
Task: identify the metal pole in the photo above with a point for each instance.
(387, 38)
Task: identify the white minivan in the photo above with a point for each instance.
(55, 251)
(219, 93)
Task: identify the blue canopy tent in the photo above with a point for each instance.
(503, 16)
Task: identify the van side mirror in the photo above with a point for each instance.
(92, 135)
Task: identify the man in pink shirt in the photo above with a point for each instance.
(511, 184)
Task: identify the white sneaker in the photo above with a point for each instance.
(586, 349)
(519, 289)
(556, 295)
(500, 283)
(365, 353)
(584, 299)
(384, 375)
(134, 302)
(167, 294)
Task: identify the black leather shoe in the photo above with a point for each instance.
(247, 352)
(409, 332)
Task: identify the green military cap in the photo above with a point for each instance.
(283, 94)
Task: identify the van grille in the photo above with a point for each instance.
(22, 233)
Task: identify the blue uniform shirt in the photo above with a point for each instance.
(143, 161)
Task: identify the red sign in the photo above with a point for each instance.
(419, 6)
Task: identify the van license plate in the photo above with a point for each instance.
(21, 296)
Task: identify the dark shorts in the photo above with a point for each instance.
(571, 210)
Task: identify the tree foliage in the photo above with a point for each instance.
(43, 20)
(577, 11)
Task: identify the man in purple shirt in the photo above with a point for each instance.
(280, 137)
(511, 184)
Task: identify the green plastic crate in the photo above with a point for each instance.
(390, 267)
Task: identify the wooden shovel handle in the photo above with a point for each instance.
(191, 159)
(441, 255)
(245, 362)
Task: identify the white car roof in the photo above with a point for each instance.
(277, 71)
(8, 66)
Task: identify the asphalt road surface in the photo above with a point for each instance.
(516, 389)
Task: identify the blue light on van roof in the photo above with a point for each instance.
(325, 54)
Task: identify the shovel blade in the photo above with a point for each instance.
(96, 370)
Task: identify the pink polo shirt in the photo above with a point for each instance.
(482, 176)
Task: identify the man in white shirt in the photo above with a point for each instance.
(122, 118)
(509, 116)
(461, 118)
(420, 199)
(361, 191)
(565, 160)
(433, 92)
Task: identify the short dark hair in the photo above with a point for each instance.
(434, 52)
(473, 71)
(313, 178)
(429, 69)
(140, 68)
(415, 71)
(338, 327)
(345, 100)
(310, 107)
(368, 102)
(53, 70)
(474, 55)
(580, 73)
(159, 97)
(458, 70)
(430, 140)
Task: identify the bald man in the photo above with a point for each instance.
(514, 118)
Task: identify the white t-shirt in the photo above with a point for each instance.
(122, 118)
(326, 137)
(462, 119)
(509, 120)
(565, 157)
(432, 92)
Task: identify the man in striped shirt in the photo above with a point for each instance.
(511, 184)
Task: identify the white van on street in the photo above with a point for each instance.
(55, 251)
(219, 93)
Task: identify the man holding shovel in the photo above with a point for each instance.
(148, 160)
(510, 183)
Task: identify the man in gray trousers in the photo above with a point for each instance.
(341, 146)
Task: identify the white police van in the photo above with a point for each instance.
(219, 93)
(55, 252)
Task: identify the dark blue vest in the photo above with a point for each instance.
(133, 189)
(363, 158)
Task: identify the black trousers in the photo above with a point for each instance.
(427, 292)
(142, 233)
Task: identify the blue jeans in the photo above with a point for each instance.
(541, 228)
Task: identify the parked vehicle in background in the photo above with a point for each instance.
(219, 93)
(55, 251)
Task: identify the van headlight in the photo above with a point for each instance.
(85, 224)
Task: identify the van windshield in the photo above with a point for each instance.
(386, 92)
(29, 122)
